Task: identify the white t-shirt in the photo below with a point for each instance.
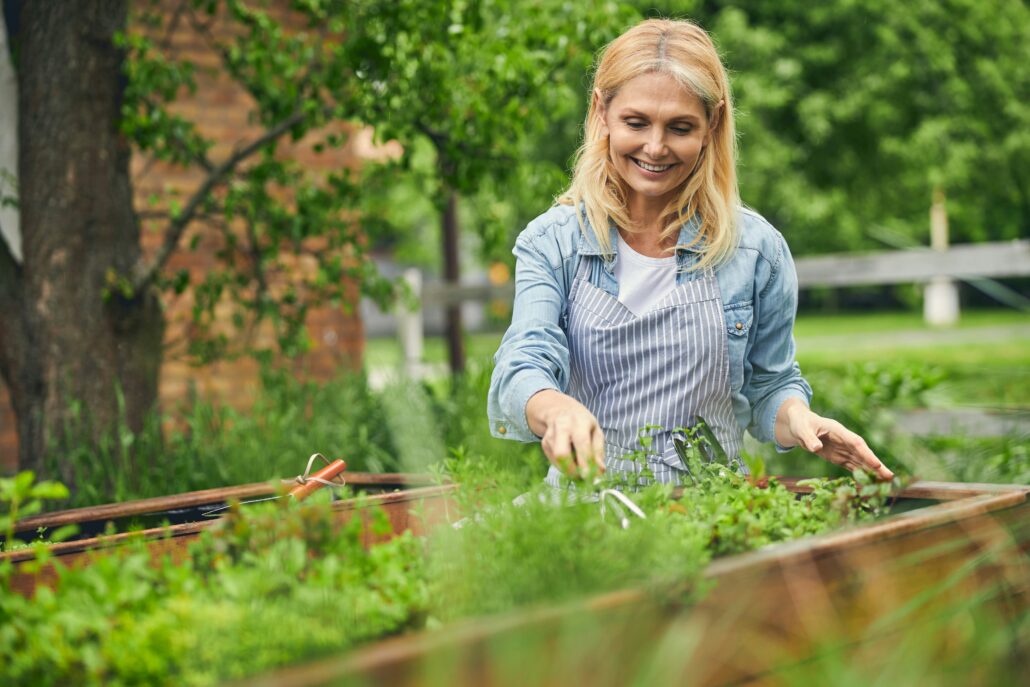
(643, 281)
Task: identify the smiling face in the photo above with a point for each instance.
(656, 130)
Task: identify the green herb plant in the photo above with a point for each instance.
(271, 584)
(22, 497)
(278, 583)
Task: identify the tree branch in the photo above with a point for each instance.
(146, 271)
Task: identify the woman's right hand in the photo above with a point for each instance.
(569, 433)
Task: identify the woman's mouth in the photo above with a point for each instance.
(648, 167)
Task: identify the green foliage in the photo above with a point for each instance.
(411, 426)
(852, 112)
(999, 460)
(458, 408)
(463, 87)
(271, 584)
(21, 496)
(519, 547)
(282, 582)
(209, 445)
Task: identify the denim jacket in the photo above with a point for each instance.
(759, 300)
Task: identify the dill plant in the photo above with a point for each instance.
(530, 544)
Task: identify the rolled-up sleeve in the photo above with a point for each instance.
(775, 374)
(534, 353)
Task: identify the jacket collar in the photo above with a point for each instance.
(588, 242)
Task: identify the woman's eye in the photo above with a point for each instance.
(635, 125)
(681, 130)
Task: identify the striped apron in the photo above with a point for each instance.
(663, 368)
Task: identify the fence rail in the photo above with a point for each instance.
(935, 268)
(917, 265)
(911, 266)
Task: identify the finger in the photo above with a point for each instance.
(807, 438)
(583, 446)
(874, 465)
(598, 441)
(566, 465)
(863, 457)
(558, 449)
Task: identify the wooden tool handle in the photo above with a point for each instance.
(302, 491)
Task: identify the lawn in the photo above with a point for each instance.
(985, 359)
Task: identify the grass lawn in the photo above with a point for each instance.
(985, 359)
(885, 322)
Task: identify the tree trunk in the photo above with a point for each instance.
(66, 336)
(452, 275)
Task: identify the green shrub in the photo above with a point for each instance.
(209, 445)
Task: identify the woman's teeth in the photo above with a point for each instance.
(651, 168)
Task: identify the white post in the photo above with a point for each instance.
(409, 325)
(940, 296)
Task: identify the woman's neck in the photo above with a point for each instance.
(646, 237)
(648, 242)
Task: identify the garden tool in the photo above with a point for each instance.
(616, 497)
(700, 437)
(306, 484)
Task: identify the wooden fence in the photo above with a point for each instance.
(937, 269)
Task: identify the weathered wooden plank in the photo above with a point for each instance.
(124, 509)
(926, 489)
(913, 265)
(434, 502)
(916, 265)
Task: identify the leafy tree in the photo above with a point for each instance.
(80, 317)
(854, 111)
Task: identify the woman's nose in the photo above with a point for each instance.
(654, 147)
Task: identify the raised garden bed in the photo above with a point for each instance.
(849, 595)
(168, 524)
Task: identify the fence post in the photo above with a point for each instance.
(940, 295)
(409, 325)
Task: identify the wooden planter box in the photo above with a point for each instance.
(853, 592)
(850, 592)
(397, 494)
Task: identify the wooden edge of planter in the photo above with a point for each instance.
(411, 646)
(175, 531)
(926, 489)
(111, 511)
(929, 490)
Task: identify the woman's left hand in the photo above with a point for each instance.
(797, 425)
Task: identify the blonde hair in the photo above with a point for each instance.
(684, 51)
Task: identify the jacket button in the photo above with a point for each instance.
(501, 429)
(739, 326)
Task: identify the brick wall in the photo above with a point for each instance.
(221, 111)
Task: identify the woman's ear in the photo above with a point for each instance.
(713, 121)
(601, 111)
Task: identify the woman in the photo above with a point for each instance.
(649, 295)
